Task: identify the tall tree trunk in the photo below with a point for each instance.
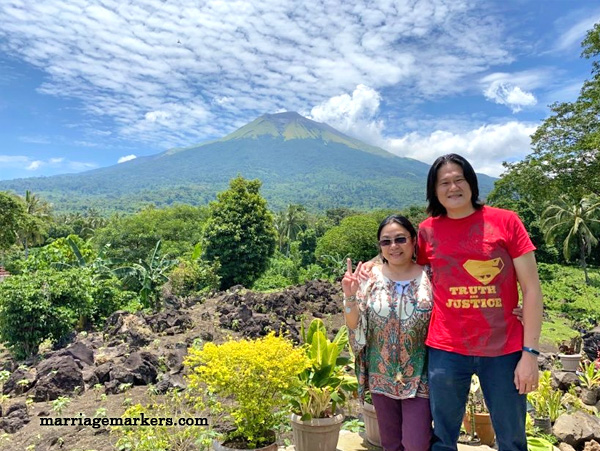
(582, 258)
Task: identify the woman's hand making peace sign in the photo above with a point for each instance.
(351, 280)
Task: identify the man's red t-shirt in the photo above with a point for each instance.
(474, 281)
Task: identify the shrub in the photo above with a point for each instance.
(193, 277)
(40, 306)
(254, 376)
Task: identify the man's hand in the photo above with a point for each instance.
(526, 373)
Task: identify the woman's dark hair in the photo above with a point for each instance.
(400, 220)
(435, 208)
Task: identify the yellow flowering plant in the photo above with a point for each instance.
(247, 382)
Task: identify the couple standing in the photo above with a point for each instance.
(420, 329)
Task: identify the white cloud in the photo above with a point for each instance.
(505, 93)
(174, 74)
(25, 163)
(576, 33)
(127, 158)
(485, 146)
(353, 114)
(34, 165)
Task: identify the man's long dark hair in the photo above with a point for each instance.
(434, 207)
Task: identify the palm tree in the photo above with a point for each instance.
(288, 223)
(578, 220)
(35, 223)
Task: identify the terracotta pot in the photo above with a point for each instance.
(318, 434)
(570, 362)
(589, 396)
(221, 447)
(371, 425)
(543, 424)
(483, 428)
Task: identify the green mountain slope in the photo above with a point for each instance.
(298, 161)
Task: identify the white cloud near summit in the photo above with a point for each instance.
(485, 146)
(353, 114)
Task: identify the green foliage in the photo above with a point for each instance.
(546, 401)
(240, 233)
(355, 237)
(69, 251)
(147, 276)
(191, 277)
(565, 292)
(49, 304)
(578, 220)
(12, 213)
(133, 436)
(133, 237)
(325, 385)
(253, 375)
(589, 376)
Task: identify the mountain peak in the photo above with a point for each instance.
(290, 125)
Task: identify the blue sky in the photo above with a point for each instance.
(86, 84)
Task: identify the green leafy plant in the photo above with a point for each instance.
(325, 384)
(254, 376)
(546, 401)
(60, 403)
(589, 375)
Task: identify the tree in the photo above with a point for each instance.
(289, 223)
(11, 215)
(577, 219)
(240, 233)
(354, 237)
(36, 222)
(132, 238)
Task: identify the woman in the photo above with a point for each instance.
(477, 255)
(388, 316)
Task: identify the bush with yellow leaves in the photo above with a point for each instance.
(246, 381)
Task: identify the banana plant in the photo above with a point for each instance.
(325, 383)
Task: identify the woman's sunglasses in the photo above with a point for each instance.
(397, 240)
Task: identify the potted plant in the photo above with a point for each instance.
(477, 421)
(546, 403)
(316, 416)
(246, 383)
(570, 353)
(589, 378)
(370, 420)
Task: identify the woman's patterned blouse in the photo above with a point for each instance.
(389, 341)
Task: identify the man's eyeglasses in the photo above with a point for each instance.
(397, 240)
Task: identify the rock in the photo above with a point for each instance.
(57, 376)
(102, 372)
(13, 384)
(576, 428)
(170, 381)
(564, 380)
(565, 447)
(592, 445)
(15, 418)
(80, 352)
(89, 377)
(169, 321)
(143, 366)
(125, 327)
(591, 343)
(119, 375)
(545, 361)
(174, 359)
